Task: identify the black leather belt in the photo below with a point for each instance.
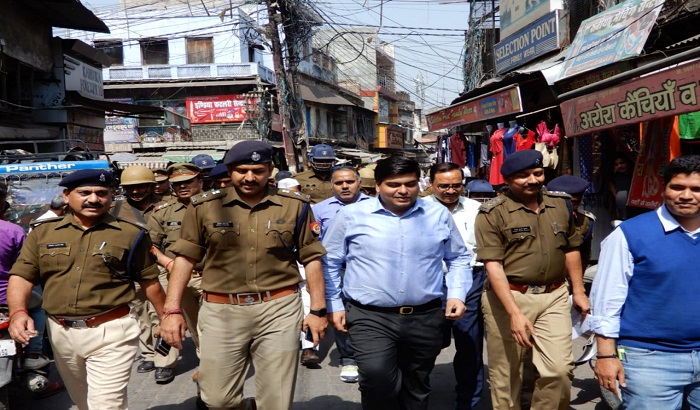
(402, 310)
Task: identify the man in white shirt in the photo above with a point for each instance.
(447, 187)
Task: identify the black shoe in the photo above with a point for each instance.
(309, 357)
(201, 405)
(164, 375)
(146, 366)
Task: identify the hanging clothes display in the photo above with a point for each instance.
(497, 156)
(458, 149)
(524, 139)
(509, 142)
(547, 145)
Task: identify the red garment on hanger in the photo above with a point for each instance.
(497, 158)
(458, 149)
(524, 143)
(551, 138)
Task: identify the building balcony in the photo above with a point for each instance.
(155, 73)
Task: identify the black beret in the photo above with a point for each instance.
(282, 175)
(479, 186)
(219, 171)
(525, 159)
(88, 177)
(249, 153)
(568, 183)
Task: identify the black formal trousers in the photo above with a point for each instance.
(395, 354)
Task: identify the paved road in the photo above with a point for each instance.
(317, 388)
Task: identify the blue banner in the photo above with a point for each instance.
(52, 167)
(538, 38)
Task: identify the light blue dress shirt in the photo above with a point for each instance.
(326, 210)
(394, 260)
(615, 269)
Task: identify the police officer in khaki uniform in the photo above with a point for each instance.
(316, 182)
(528, 242)
(138, 183)
(87, 263)
(164, 229)
(162, 187)
(576, 187)
(253, 236)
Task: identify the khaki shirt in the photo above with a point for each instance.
(67, 262)
(123, 209)
(318, 189)
(164, 227)
(584, 226)
(248, 249)
(530, 245)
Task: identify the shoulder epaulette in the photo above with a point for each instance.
(136, 224)
(557, 194)
(294, 194)
(492, 203)
(207, 196)
(164, 205)
(587, 214)
(36, 222)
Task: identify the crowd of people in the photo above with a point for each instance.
(256, 264)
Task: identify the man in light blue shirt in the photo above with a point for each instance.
(345, 183)
(393, 247)
(645, 299)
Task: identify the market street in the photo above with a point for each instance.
(317, 388)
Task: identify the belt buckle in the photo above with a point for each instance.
(76, 324)
(536, 290)
(406, 310)
(248, 298)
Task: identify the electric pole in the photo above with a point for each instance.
(283, 90)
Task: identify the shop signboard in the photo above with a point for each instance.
(647, 181)
(613, 35)
(538, 38)
(216, 108)
(83, 78)
(497, 104)
(516, 14)
(671, 91)
(120, 130)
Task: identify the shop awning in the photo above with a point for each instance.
(187, 155)
(178, 84)
(65, 14)
(319, 95)
(125, 160)
(113, 108)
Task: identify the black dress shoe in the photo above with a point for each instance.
(164, 375)
(146, 366)
(309, 357)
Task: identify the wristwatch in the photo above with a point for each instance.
(320, 313)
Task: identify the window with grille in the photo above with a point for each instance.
(154, 51)
(113, 48)
(200, 50)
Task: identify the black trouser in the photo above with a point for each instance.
(395, 354)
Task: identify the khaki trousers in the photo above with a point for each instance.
(550, 314)
(232, 336)
(95, 363)
(148, 322)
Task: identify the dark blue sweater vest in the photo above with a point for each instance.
(662, 308)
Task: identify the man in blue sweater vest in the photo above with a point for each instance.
(646, 299)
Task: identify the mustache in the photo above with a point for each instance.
(93, 206)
